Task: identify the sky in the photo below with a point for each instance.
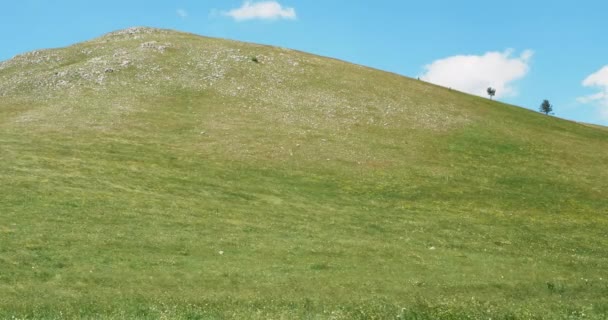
(528, 50)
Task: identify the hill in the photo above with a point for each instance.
(157, 174)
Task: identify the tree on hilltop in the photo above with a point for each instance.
(546, 107)
(491, 92)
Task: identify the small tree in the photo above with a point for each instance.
(545, 107)
(491, 92)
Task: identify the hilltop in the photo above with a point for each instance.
(155, 173)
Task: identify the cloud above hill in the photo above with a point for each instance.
(475, 73)
(264, 10)
(182, 13)
(599, 80)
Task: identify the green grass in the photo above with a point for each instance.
(194, 183)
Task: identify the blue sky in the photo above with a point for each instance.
(528, 50)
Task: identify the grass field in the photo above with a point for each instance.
(150, 174)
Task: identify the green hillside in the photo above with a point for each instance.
(156, 174)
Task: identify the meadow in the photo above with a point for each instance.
(151, 174)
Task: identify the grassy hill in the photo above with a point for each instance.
(156, 174)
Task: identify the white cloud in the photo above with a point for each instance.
(598, 80)
(182, 13)
(265, 10)
(592, 98)
(474, 73)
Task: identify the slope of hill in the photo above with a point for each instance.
(151, 173)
